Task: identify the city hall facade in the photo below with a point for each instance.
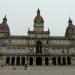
(38, 48)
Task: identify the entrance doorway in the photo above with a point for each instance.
(39, 61)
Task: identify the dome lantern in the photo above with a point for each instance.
(4, 19)
(38, 18)
(70, 21)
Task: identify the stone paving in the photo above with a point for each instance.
(51, 70)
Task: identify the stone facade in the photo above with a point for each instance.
(38, 48)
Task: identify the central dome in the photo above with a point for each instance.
(38, 18)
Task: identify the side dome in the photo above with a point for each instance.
(4, 28)
(38, 18)
(70, 30)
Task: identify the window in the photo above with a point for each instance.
(47, 42)
(62, 51)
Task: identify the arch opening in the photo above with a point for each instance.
(69, 60)
(13, 61)
(31, 61)
(18, 61)
(63, 61)
(59, 61)
(46, 61)
(23, 61)
(7, 60)
(54, 61)
(39, 61)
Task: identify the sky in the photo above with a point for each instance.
(21, 14)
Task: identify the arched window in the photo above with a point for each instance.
(18, 61)
(23, 61)
(13, 61)
(31, 61)
(38, 47)
(7, 60)
(46, 61)
(39, 61)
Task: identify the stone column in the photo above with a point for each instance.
(49, 61)
(15, 60)
(56, 60)
(27, 60)
(43, 61)
(10, 60)
(66, 60)
(73, 61)
(20, 60)
(34, 61)
(61, 61)
(4, 58)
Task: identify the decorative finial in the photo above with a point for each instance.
(70, 21)
(5, 19)
(38, 12)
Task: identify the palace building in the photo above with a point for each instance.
(38, 48)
